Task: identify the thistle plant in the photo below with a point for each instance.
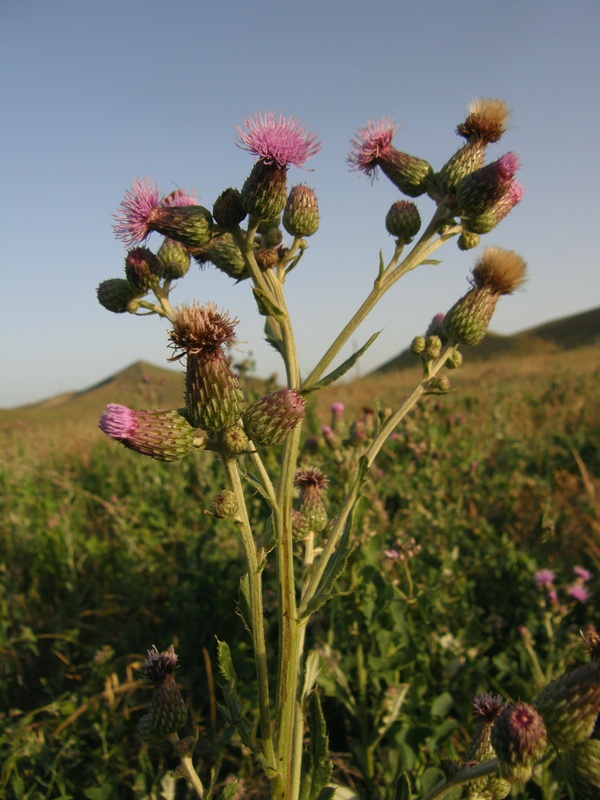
(245, 236)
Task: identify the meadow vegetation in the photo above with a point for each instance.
(104, 553)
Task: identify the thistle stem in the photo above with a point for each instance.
(257, 619)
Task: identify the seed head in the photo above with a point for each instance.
(486, 120)
(201, 330)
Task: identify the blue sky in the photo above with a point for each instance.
(95, 94)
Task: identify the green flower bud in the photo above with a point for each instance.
(271, 419)
(175, 258)
(300, 526)
(225, 505)
(235, 440)
(570, 705)
(264, 192)
(228, 210)
(465, 161)
(582, 769)
(312, 484)
(455, 360)
(433, 347)
(418, 345)
(410, 174)
(403, 220)
(116, 293)
(301, 214)
(190, 225)
(224, 253)
(468, 240)
(143, 269)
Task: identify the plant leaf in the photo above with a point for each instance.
(318, 767)
(342, 369)
(233, 708)
(266, 306)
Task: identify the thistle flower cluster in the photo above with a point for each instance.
(480, 195)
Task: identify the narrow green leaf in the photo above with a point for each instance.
(243, 603)
(434, 261)
(403, 788)
(317, 766)
(342, 369)
(233, 708)
(381, 265)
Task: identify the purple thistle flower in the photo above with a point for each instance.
(181, 197)
(579, 593)
(370, 143)
(279, 141)
(338, 407)
(118, 422)
(133, 217)
(544, 577)
(583, 573)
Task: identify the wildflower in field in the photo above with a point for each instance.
(583, 573)
(281, 141)
(486, 708)
(271, 419)
(214, 399)
(135, 212)
(578, 592)
(486, 121)
(168, 712)
(163, 435)
(544, 578)
(181, 197)
(496, 273)
(372, 147)
(520, 740)
(277, 142)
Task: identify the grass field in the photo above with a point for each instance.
(105, 553)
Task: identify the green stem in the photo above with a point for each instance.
(188, 765)
(257, 619)
(464, 776)
(429, 242)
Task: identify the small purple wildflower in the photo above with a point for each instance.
(118, 422)
(553, 597)
(393, 554)
(544, 577)
(326, 430)
(338, 408)
(135, 211)
(279, 141)
(583, 573)
(579, 593)
(370, 143)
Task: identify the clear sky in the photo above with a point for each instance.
(95, 94)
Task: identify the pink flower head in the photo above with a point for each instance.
(280, 141)
(118, 422)
(370, 143)
(392, 554)
(545, 577)
(579, 593)
(135, 211)
(181, 197)
(583, 573)
(338, 408)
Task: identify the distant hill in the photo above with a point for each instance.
(578, 330)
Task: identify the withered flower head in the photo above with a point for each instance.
(500, 271)
(311, 478)
(201, 330)
(158, 666)
(487, 706)
(486, 121)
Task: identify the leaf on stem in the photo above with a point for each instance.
(317, 767)
(342, 369)
(266, 306)
(233, 707)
